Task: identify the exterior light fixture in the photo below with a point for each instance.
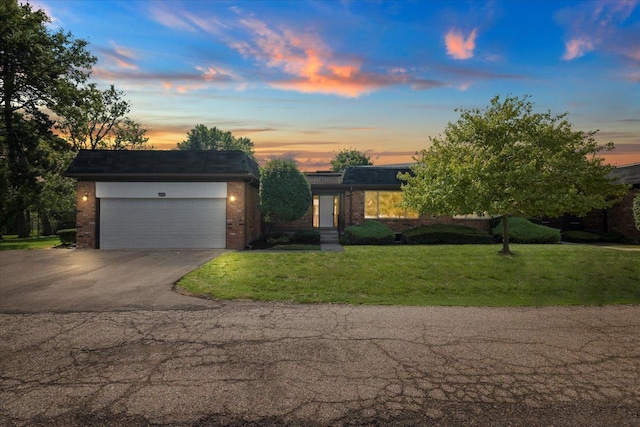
(232, 198)
(85, 197)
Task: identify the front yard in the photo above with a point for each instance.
(466, 275)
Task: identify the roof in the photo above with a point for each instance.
(375, 176)
(144, 165)
(629, 174)
(324, 178)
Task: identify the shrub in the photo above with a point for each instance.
(67, 236)
(278, 238)
(446, 234)
(521, 230)
(306, 236)
(580, 237)
(370, 232)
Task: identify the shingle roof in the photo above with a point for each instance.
(324, 178)
(373, 175)
(205, 165)
(629, 174)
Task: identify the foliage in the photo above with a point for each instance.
(524, 231)
(446, 234)
(636, 210)
(41, 71)
(577, 236)
(306, 236)
(426, 275)
(97, 119)
(204, 138)
(370, 232)
(349, 157)
(68, 236)
(285, 194)
(506, 160)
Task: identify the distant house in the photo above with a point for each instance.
(618, 218)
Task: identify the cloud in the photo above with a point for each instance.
(592, 26)
(118, 57)
(457, 46)
(308, 64)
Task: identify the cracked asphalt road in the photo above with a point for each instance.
(259, 364)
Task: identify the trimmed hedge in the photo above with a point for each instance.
(521, 230)
(67, 236)
(580, 237)
(306, 236)
(370, 232)
(446, 234)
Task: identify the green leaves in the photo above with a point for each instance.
(204, 138)
(349, 157)
(285, 194)
(507, 160)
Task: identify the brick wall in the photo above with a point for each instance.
(86, 214)
(620, 217)
(243, 217)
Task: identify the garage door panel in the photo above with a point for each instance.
(162, 223)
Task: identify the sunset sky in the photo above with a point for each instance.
(304, 79)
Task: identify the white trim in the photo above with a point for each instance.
(164, 190)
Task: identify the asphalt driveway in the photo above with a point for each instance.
(68, 280)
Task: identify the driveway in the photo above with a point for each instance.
(64, 280)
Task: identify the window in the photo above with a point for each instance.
(386, 204)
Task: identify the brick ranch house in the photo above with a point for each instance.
(209, 199)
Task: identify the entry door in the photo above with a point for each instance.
(326, 210)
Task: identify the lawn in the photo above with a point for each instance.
(12, 242)
(464, 275)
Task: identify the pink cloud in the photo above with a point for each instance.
(597, 25)
(308, 62)
(457, 46)
(577, 47)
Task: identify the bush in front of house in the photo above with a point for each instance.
(67, 236)
(370, 232)
(576, 236)
(306, 236)
(521, 230)
(446, 234)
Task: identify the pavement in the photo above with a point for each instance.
(64, 280)
(245, 363)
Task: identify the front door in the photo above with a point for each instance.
(326, 211)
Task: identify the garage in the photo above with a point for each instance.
(165, 199)
(163, 215)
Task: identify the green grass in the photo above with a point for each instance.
(470, 275)
(12, 243)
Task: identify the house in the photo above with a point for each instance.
(618, 218)
(209, 199)
(366, 192)
(166, 199)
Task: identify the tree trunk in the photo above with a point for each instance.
(505, 236)
(47, 229)
(24, 223)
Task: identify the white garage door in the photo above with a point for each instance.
(130, 223)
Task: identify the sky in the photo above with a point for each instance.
(305, 79)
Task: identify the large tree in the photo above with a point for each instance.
(507, 160)
(349, 157)
(97, 119)
(285, 193)
(39, 70)
(203, 138)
